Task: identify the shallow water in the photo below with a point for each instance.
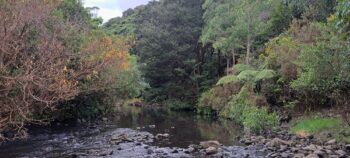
(185, 128)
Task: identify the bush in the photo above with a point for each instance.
(259, 119)
(243, 109)
(217, 97)
(177, 105)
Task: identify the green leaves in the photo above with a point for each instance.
(265, 74)
(228, 79)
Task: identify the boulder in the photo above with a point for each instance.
(207, 144)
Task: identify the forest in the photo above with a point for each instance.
(261, 64)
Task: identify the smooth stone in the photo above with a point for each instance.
(211, 150)
(330, 142)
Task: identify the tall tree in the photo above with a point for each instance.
(167, 35)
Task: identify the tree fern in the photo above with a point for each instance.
(228, 79)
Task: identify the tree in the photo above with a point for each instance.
(167, 34)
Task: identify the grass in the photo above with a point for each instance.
(316, 125)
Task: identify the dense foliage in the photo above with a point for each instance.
(305, 65)
(275, 55)
(245, 60)
(174, 63)
(54, 56)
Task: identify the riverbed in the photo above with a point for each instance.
(134, 132)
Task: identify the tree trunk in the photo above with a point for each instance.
(248, 38)
(233, 57)
(219, 62)
(227, 65)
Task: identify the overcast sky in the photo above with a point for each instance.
(113, 8)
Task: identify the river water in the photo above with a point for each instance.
(184, 128)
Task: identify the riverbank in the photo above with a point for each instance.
(286, 145)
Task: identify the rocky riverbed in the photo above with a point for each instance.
(285, 145)
(160, 134)
(124, 142)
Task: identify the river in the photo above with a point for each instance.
(81, 140)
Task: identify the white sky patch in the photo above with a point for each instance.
(112, 8)
(105, 12)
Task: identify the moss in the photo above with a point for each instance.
(316, 125)
(322, 127)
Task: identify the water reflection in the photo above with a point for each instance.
(185, 128)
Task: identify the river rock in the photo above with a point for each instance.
(312, 156)
(116, 139)
(299, 155)
(159, 135)
(104, 119)
(189, 150)
(150, 151)
(276, 142)
(331, 142)
(347, 147)
(207, 144)
(211, 150)
(152, 126)
(160, 150)
(341, 153)
(285, 155)
(105, 153)
(310, 148)
(175, 151)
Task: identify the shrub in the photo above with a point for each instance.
(259, 119)
(243, 110)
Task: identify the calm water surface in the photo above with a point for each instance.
(185, 128)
